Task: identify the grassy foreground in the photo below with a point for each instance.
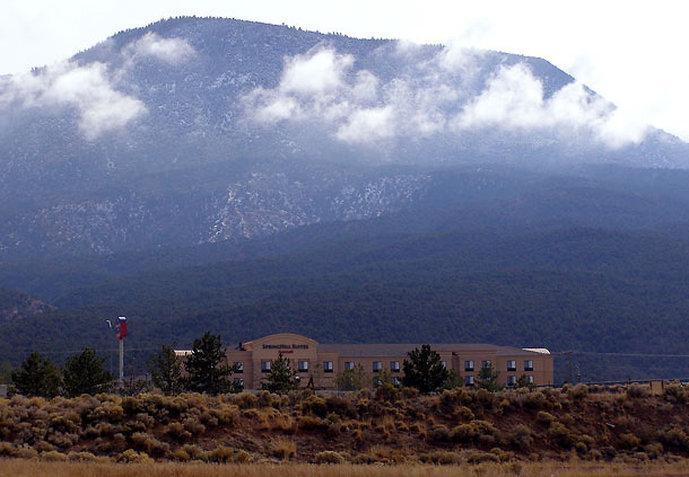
(459, 428)
(32, 468)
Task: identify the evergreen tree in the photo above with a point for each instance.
(453, 380)
(37, 376)
(207, 366)
(85, 373)
(166, 371)
(351, 379)
(424, 370)
(488, 378)
(281, 378)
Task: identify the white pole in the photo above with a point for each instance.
(121, 342)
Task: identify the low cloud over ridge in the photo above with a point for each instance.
(439, 97)
(93, 89)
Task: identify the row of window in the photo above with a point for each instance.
(328, 367)
(511, 365)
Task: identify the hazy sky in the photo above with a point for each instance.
(632, 52)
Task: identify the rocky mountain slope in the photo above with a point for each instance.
(192, 131)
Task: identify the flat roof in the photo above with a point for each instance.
(400, 349)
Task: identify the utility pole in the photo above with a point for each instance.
(120, 334)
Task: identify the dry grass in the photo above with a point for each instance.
(26, 468)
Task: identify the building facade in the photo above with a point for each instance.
(318, 364)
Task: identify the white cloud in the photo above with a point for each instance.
(93, 88)
(369, 124)
(87, 88)
(318, 71)
(438, 95)
(168, 50)
(514, 100)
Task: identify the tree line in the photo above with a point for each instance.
(205, 370)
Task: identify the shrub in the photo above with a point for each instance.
(311, 423)
(82, 457)
(315, 405)
(53, 456)
(545, 418)
(220, 455)
(441, 458)
(439, 433)
(675, 439)
(246, 400)
(177, 431)
(479, 457)
(561, 436)
(579, 391)
(130, 456)
(329, 457)
(675, 393)
(637, 391)
(521, 438)
(629, 441)
(341, 406)
(242, 457)
(654, 450)
(283, 448)
(193, 425)
(150, 444)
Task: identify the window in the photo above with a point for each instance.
(528, 365)
(265, 366)
(469, 365)
(444, 363)
(377, 366)
(511, 380)
(511, 365)
(303, 366)
(395, 366)
(327, 366)
(396, 381)
(529, 379)
(349, 364)
(487, 364)
(239, 383)
(469, 380)
(239, 367)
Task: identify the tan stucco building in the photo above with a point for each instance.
(320, 363)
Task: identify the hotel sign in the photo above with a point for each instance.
(285, 346)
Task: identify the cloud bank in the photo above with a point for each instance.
(443, 94)
(94, 89)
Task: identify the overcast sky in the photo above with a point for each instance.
(632, 52)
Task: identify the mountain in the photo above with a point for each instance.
(205, 173)
(193, 131)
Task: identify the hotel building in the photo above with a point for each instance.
(319, 363)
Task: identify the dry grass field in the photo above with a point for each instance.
(358, 434)
(32, 468)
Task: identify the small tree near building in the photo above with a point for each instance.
(166, 371)
(207, 366)
(37, 376)
(352, 379)
(282, 378)
(488, 378)
(424, 370)
(85, 373)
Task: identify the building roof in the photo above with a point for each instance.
(400, 349)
